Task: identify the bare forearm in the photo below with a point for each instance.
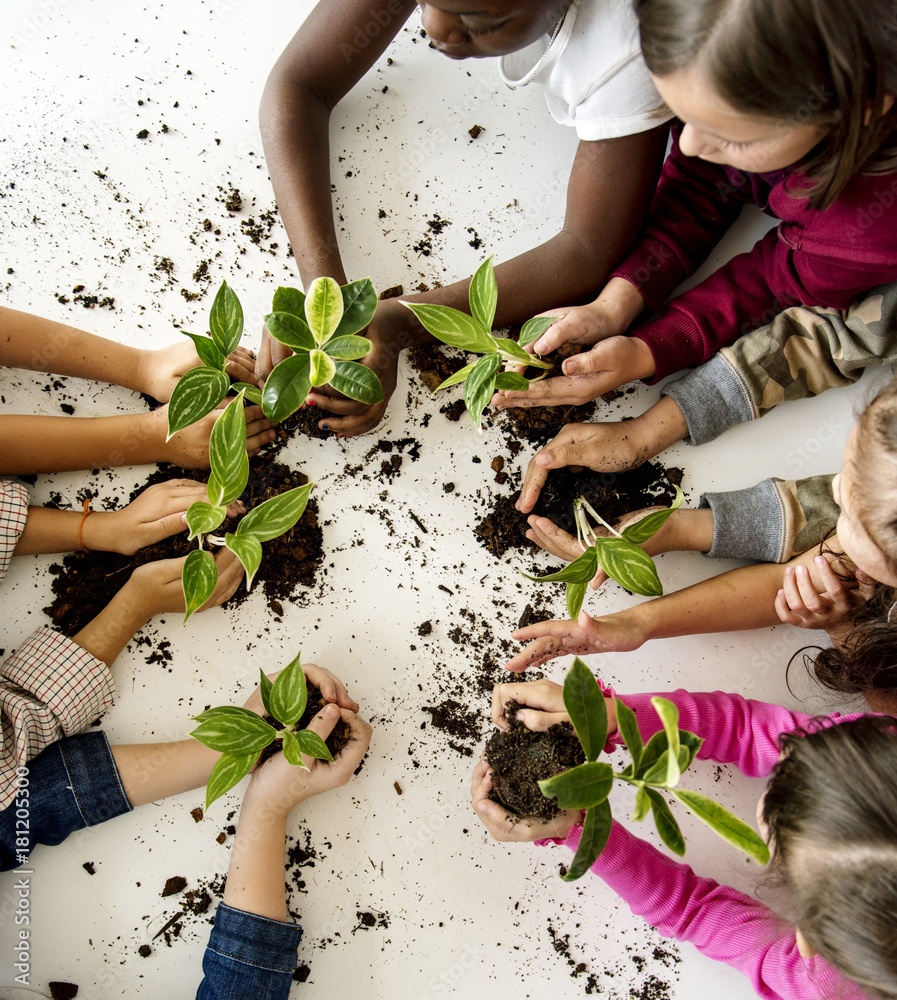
(31, 444)
(658, 428)
(43, 345)
(151, 771)
(114, 627)
(255, 874)
(741, 599)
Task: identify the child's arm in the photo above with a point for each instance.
(43, 345)
(252, 948)
(30, 444)
(155, 514)
(53, 686)
(740, 599)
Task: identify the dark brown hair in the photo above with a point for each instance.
(830, 63)
(831, 812)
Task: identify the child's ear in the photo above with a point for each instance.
(886, 106)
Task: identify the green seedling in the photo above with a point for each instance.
(321, 329)
(656, 767)
(619, 556)
(240, 735)
(198, 392)
(473, 333)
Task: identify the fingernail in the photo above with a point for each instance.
(819, 560)
(789, 570)
(310, 402)
(325, 427)
(802, 570)
(330, 712)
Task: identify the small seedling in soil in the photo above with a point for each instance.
(321, 329)
(619, 556)
(655, 767)
(241, 736)
(473, 333)
(197, 393)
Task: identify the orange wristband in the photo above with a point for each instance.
(87, 513)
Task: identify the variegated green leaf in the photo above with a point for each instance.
(287, 387)
(512, 381)
(289, 300)
(198, 579)
(453, 327)
(483, 294)
(534, 328)
(649, 525)
(581, 787)
(729, 827)
(276, 516)
(642, 804)
(321, 369)
(197, 393)
(666, 823)
(595, 832)
(585, 706)
(227, 452)
(252, 392)
(291, 749)
(215, 713)
(312, 745)
(236, 734)
(459, 376)
(289, 694)
(347, 348)
(629, 565)
(323, 308)
(226, 319)
(575, 596)
(512, 351)
(248, 549)
(227, 772)
(290, 330)
(357, 382)
(629, 730)
(480, 386)
(265, 691)
(208, 353)
(581, 570)
(203, 518)
(359, 305)
(669, 716)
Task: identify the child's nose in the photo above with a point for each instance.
(442, 27)
(695, 143)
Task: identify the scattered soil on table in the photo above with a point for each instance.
(174, 885)
(612, 494)
(520, 759)
(338, 738)
(85, 582)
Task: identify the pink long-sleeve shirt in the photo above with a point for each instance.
(721, 922)
(813, 258)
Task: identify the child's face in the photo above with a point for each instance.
(853, 537)
(463, 29)
(716, 132)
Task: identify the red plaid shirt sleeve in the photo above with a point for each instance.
(13, 514)
(49, 688)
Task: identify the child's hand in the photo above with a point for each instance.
(331, 687)
(155, 588)
(604, 447)
(158, 371)
(547, 535)
(610, 634)
(277, 787)
(544, 701)
(506, 827)
(610, 363)
(155, 514)
(825, 606)
(189, 448)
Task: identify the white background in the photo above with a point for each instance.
(466, 916)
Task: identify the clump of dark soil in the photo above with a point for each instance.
(451, 717)
(63, 991)
(338, 738)
(86, 581)
(520, 759)
(612, 494)
(174, 885)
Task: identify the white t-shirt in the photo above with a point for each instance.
(593, 73)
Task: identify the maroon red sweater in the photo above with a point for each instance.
(814, 258)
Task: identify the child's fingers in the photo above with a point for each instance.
(322, 725)
(340, 405)
(786, 615)
(547, 535)
(330, 686)
(812, 600)
(599, 579)
(533, 481)
(792, 594)
(538, 721)
(542, 695)
(562, 629)
(535, 654)
(834, 586)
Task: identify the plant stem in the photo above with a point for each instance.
(585, 503)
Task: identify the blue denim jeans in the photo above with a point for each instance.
(74, 784)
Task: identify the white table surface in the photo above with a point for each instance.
(466, 916)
